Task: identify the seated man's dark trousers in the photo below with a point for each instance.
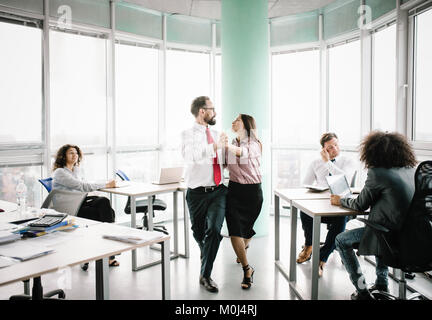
(336, 226)
(207, 212)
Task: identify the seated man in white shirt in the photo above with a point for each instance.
(330, 163)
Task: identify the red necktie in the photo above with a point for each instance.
(216, 167)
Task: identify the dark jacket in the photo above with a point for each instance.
(388, 194)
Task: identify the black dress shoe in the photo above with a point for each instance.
(362, 295)
(379, 287)
(209, 284)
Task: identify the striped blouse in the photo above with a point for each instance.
(246, 168)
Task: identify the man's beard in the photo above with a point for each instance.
(211, 121)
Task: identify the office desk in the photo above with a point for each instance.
(316, 209)
(138, 190)
(76, 251)
(289, 195)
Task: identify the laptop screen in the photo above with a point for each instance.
(338, 184)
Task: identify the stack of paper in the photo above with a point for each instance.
(40, 231)
(135, 237)
(7, 236)
(24, 250)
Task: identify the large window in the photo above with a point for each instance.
(188, 76)
(344, 92)
(20, 84)
(295, 98)
(136, 95)
(78, 80)
(78, 90)
(384, 79)
(423, 77)
(9, 177)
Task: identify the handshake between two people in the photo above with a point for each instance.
(224, 144)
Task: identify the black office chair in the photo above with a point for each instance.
(142, 206)
(62, 201)
(409, 249)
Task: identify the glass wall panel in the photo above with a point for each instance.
(9, 177)
(188, 76)
(34, 6)
(340, 16)
(384, 79)
(138, 20)
(295, 96)
(20, 83)
(93, 12)
(344, 92)
(189, 30)
(136, 95)
(78, 90)
(423, 78)
(380, 7)
(138, 166)
(298, 28)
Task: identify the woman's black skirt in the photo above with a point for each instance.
(244, 202)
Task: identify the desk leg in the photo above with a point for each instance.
(175, 207)
(277, 226)
(186, 225)
(133, 225)
(150, 213)
(102, 281)
(315, 255)
(165, 252)
(293, 244)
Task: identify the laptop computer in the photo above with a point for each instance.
(338, 184)
(169, 175)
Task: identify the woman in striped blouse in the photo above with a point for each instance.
(245, 197)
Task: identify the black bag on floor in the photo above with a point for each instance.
(97, 208)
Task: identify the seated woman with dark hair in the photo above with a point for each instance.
(388, 191)
(67, 176)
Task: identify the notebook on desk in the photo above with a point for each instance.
(169, 175)
(122, 184)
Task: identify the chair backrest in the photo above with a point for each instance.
(122, 175)
(415, 238)
(47, 183)
(64, 201)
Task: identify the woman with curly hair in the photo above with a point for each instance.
(67, 176)
(388, 191)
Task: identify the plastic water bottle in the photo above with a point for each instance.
(21, 194)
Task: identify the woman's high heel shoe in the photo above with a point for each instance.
(247, 281)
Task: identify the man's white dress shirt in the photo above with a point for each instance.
(319, 169)
(198, 156)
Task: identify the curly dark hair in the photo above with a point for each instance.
(386, 150)
(60, 161)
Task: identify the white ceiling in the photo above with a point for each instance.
(212, 8)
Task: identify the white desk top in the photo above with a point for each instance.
(87, 245)
(323, 207)
(143, 189)
(300, 194)
(8, 206)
